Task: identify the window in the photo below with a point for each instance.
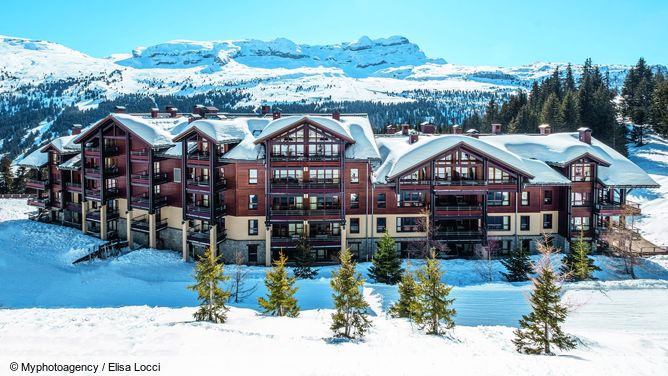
(581, 172)
(354, 225)
(580, 198)
(354, 201)
(252, 202)
(525, 223)
(252, 227)
(252, 253)
(382, 201)
(497, 175)
(408, 224)
(547, 197)
(324, 175)
(498, 223)
(354, 250)
(547, 221)
(177, 175)
(525, 198)
(580, 223)
(354, 176)
(252, 176)
(410, 199)
(498, 198)
(381, 225)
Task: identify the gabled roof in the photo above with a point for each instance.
(157, 132)
(283, 124)
(36, 159)
(63, 145)
(224, 131)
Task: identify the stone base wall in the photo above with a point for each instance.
(229, 248)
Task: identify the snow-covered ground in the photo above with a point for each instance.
(653, 158)
(620, 323)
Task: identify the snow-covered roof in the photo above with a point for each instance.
(36, 159)
(533, 155)
(64, 144)
(157, 132)
(561, 148)
(354, 128)
(71, 164)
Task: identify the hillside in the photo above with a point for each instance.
(41, 82)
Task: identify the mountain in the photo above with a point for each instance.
(43, 84)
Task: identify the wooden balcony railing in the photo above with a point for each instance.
(39, 202)
(40, 184)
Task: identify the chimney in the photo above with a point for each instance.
(265, 109)
(76, 129)
(210, 110)
(473, 133)
(172, 112)
(496, 128)
(457, 129)
(585, 135)
(119, 109)
(390, 129)
(404, 129)
(413, 138)
(198, 109)
(154, 112)
(545, 129)
(336, 115)
(427, 128)
(276, 114)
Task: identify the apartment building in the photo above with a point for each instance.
(255, 183)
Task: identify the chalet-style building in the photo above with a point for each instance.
(256, 183)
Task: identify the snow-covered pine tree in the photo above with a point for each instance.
(577, 265)
(209, 274)
(304, 260)
(407, 295)
(349, 318)
(518, 264)
(281, 299)
(540, 330)
(386, 262)
(432, 310)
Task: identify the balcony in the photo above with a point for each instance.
(39, 202)
(140, 224)
(40, 184)
(142, 178)
(202, 185)
(94, 215)
(304, 158)
(464, 210)
(618, 208)
(459, 182)
(96, 193)
(95, 231)
(196, 235)
(73, 187)
(306, 212)
(297, 184)
(73, 207)
(199, 155)
(109, 150)
(143, 201)
(415, 182)
(459, 235)
(95, 172)
(204, 212)
(324, 238)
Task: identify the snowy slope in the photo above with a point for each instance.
(653, 158)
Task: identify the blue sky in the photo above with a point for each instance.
(507, 32)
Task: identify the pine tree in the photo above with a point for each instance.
(407, 296)
(350, 318)
(386, 262)
(660, 108)
(577, 265)
(281, 300)
(550, 111)
(6, 176)
(432, 310)
(568, 113)
(209, 273)
(540, 330)
(569, 81)
(518, 265)
(304, 260)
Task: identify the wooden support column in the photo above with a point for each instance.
(152, 233)
(267, 245)
(128, 228)
(84, 209)
(213, 237)
(103, 222)
(344, 237)
(184, 239)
